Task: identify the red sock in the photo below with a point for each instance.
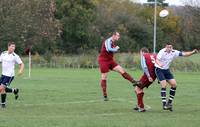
(127, 77)
(103, 86)
(140, 100)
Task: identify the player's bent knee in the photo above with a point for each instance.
(2, 89)
(173, 85)
(138, 90)
(104, 76)
(163, 84)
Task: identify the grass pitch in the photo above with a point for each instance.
(72, 98)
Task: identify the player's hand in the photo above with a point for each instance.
(117, 47)
(195, 51)
(150, 79)
(161, 65)
(19, 73)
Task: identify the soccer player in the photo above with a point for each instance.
(106, 62)
(163, 61)
(8, 59)
(147, 64)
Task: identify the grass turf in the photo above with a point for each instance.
(72, 98)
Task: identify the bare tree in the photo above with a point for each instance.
(191, 23)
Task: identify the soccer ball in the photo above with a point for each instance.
(163, 13)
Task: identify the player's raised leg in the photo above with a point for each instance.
(124, 74)
(13, 90)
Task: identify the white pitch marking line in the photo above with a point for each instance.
(75, 115)
(79, 102)
(72, 102)
(147, 107)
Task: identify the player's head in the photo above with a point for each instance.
(168, 47)
(144, 50)
(115, 36)
(11, 47)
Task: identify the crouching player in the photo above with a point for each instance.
(147, 64)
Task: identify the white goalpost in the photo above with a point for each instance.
(29, 64)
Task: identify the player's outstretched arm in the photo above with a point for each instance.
(190, 53)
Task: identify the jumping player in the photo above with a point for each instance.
(106, 62)
(147, 64)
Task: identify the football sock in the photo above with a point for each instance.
(140, 100)
(9, 90)
(163, 96)
(127, 77)
(171, 94)
(103, 86)
(3, 98)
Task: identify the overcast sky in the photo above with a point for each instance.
(171, 2)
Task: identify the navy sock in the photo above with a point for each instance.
(163, 96)
(3, 98)
(171, 94)
(8, 90)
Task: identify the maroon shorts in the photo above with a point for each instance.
(145, 82)
(105, 66)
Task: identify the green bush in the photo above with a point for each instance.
(185, 64)
(126, 60)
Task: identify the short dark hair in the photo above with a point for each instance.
(169, 43)
(115, 32)
(11, 43)
(144, 49)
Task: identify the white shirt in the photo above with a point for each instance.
(8, 63)
(166, 58)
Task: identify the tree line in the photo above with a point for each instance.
(79, 26)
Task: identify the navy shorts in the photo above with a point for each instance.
(6, 80)
(163, 74)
